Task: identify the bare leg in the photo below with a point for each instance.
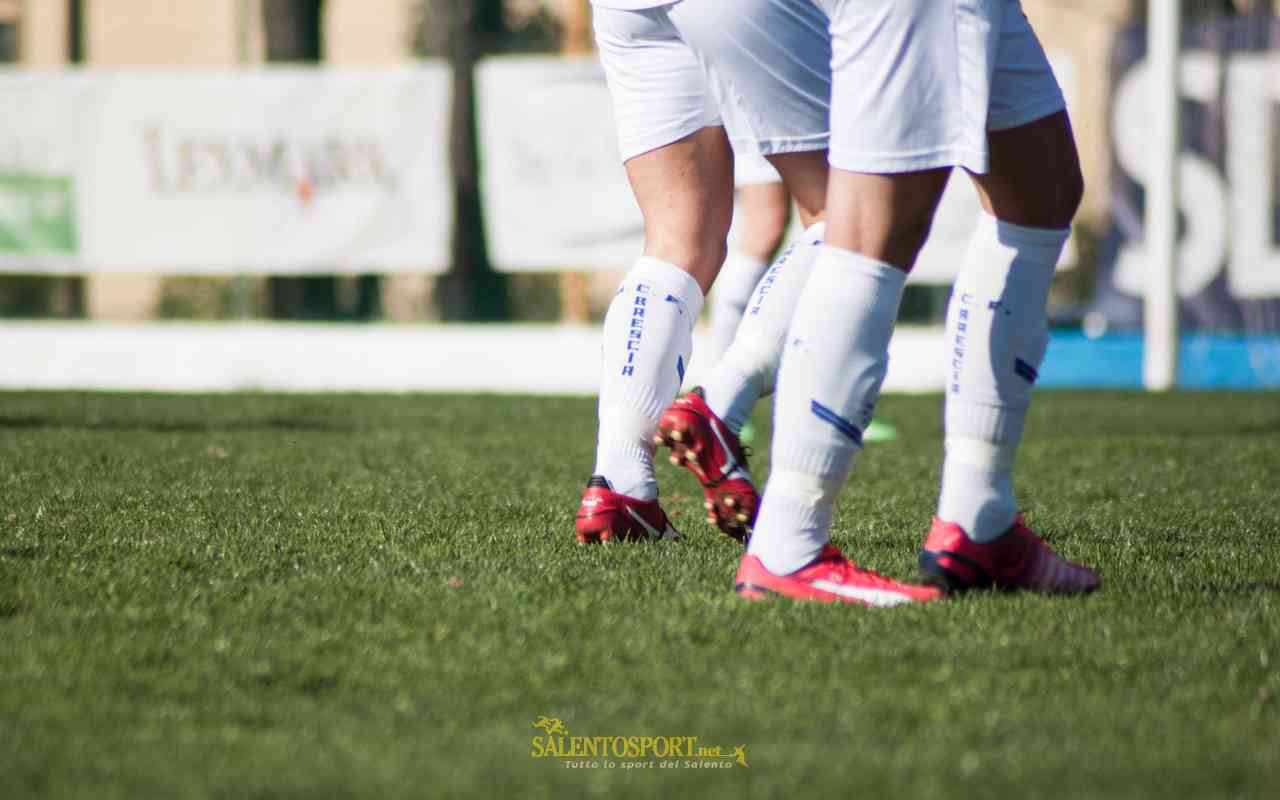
(763, 211)
(883, 217)
(685, 192)
(1035, 179)
(805, 175)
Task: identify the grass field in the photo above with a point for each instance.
(263, 596)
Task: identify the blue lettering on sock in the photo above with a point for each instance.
(770, 278)
(636, 332)
(838, 422)
(1025, 371)
(680, 367)
(762, 291)
(959, 342)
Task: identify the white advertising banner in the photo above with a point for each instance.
(555, 194)
(280, 170)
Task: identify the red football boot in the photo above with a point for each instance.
(606, 516)
(1017, 560)
(831, 578)
(702, 443)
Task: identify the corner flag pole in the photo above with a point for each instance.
(1160, 309)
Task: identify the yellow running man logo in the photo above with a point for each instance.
(551, 725)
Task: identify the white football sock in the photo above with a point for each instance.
(837, 353)
(997, 334)
(748, 370)
(648, 333)
(734, 285)
(977, 487)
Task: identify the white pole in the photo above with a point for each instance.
(1160, 311)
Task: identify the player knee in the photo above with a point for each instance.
(904, 238)
(774, 227)
(701, 255)
(884, 219)
(1035, 178)
(1052, 197)
(761, 243)
(1070, 193)
(762, 232)
(712, 254)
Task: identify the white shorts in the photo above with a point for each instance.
(761, 68)
(918, 83)
(752, 169)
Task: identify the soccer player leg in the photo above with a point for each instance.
(769, 63)
(645, 346)
(888, 175)
(835, 362)
(761, 210)
(680, 167)
(748, 368)
(996, 338)
(996, 325)
(836, 354)
(997, 332)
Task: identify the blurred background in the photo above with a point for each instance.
(255, 162)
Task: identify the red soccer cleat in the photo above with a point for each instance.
(832, 578)
(702, 443)
(606, 516)
(1017, 560)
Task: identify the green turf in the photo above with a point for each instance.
(260, 596)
